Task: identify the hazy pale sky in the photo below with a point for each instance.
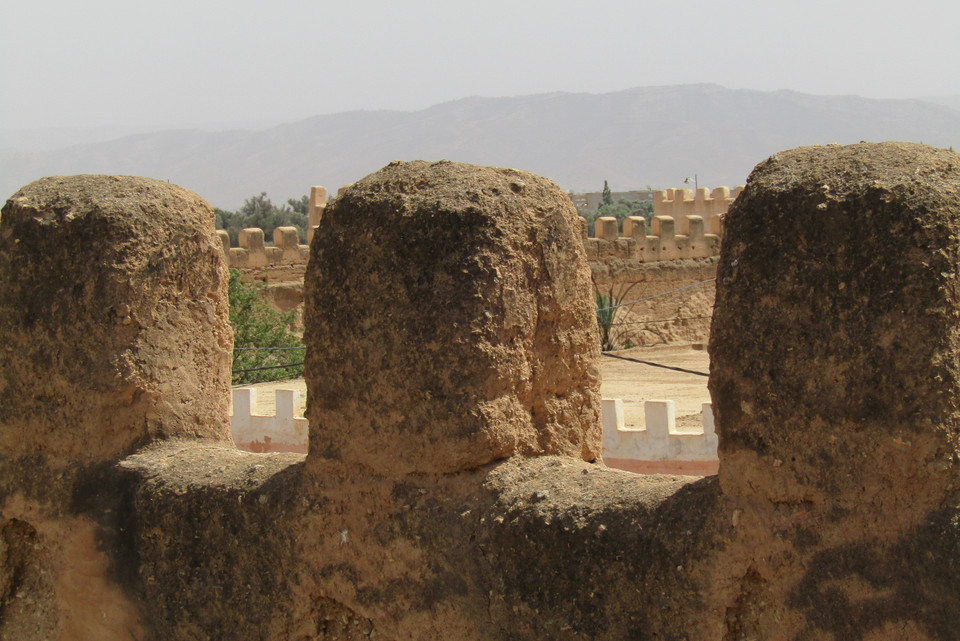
(86, 63)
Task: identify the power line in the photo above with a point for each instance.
(258, 369)
(266, 349)
(670, 367)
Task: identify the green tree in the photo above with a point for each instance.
(259, 211)
(301, 206)
(607, 196)
(620, 210)
(256, 326)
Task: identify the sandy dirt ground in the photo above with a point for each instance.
(632, 382)
(635, 383)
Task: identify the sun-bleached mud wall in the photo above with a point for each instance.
(833, 515)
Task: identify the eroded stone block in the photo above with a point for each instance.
(829, 334)
(450, 322)
(113, 317)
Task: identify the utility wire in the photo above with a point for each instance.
(266, 349)
(637, 360)
(258, 369)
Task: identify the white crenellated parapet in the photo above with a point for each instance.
(281, 432)
(659, 447)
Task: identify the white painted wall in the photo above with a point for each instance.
(660, 441)
(256, 432)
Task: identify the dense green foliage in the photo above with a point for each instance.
(259, 211)
(256, 325)
(620, 210)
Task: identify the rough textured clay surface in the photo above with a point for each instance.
(851, 355)
(835, 354)
(113, 309)
(113, 318)
(835, 514)
(483, 270)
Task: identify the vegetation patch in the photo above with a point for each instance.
(260, 212)
(264, 347)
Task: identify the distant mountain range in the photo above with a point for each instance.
(654, 136)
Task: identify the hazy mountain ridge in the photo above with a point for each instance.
(645, 136)
(947, 101)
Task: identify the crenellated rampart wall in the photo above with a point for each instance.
(711, 206)
(685, 225)
(665, 240)
(286, 250)
(677, 250)
(455, 438)
(253, 252)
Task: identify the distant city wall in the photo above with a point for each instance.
(685, 225)
(668, 263)
(592, 200)
(675, 202)
(711, 206)
(662, 242)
